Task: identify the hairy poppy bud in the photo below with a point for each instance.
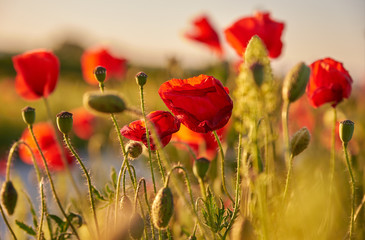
(299, 142)
(136, 226)
(28, 114)
(9, 197)
(64, 122)
(100, 73)
(107, 102)
(162, 208)
(200, 168)
(125, 204)
(243, 229)
(346, 130)
(134, 149)
(258, 73)
(295, 82)
(141, 78)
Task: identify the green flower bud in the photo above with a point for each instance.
(28, 114)
(258, 73)
(107, 102)
(295, 82)
(64, 122)
(136, 226)
(162, 208)
(141, 78)
(243, 229)
(9, 197)
(200, 167)
(100, 74)
(134, 149)
(346, 130)
(299, 142)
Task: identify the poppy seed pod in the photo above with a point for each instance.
(200, 168)
(299, 142)
(107, 102)
(162, 208)
(28, 114)
(295, 82)
(136, 226)
(64, 122)
(134, 149)
(258, 73)
(100, 74)
(141, 78)
(346, 129)
(9, 197)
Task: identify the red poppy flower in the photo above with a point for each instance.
(165, 123)
(200, 103)
(37, 73)
(91, 58)
(329, 82)
(203, 32)
(3, 162)
(47, 141)
(239, 34)
(83, 123)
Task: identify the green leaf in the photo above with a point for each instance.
(78, 217)
(97, 194)
(60, 223)
(28, 229)
(113, 177)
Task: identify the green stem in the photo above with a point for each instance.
(222, 165)
(43, 210)
(6, 222)
(30, 127)
(284, 118)
(67, 141)
(288, 177)
(59, 142)
(333, 151)
(349, 167)
(147, 137)
(136, 200)
(160, 166)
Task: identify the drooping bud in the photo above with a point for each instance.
(64, 122)
(346, 129)
(107, 102)
(28, 114)
(162, 208)
(200, 168)
(136, 226)
(125, 205)
(299, 142)
(134, 149)
(243, 229)
(141, 78)
(100, 73)
(295, 82)
(258, 73)
(9, 197)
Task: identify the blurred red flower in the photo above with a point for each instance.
(47, 141)
(329, 82)
(201, 103)
(165, 123)
(91, 58)
(301, 115)
(204, 33)
(37, 73)
(3, 162)
(83, 123)
(239, 33)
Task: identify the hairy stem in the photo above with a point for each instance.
(349, 167)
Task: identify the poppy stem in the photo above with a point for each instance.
(160, 166)
(136, 199)
(284, 118)
(7, 222)
(67, 141)
(290, 167)
(222, 165)
(30, 127)
(333, 152)
(43, 211)
(349, 167)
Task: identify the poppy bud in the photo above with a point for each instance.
(136, 226)
(134, 149)
(258, 73)
(9, 196)
(200, 168)
(141, 78)
(243, 229)
(299, 142)
(162, 208)
(28, 114)
(100, 74)
(295, 82)
(346, 130)
(64, 122)
(107, 102)
(125, 204)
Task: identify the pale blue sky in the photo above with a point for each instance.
(151, 30)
